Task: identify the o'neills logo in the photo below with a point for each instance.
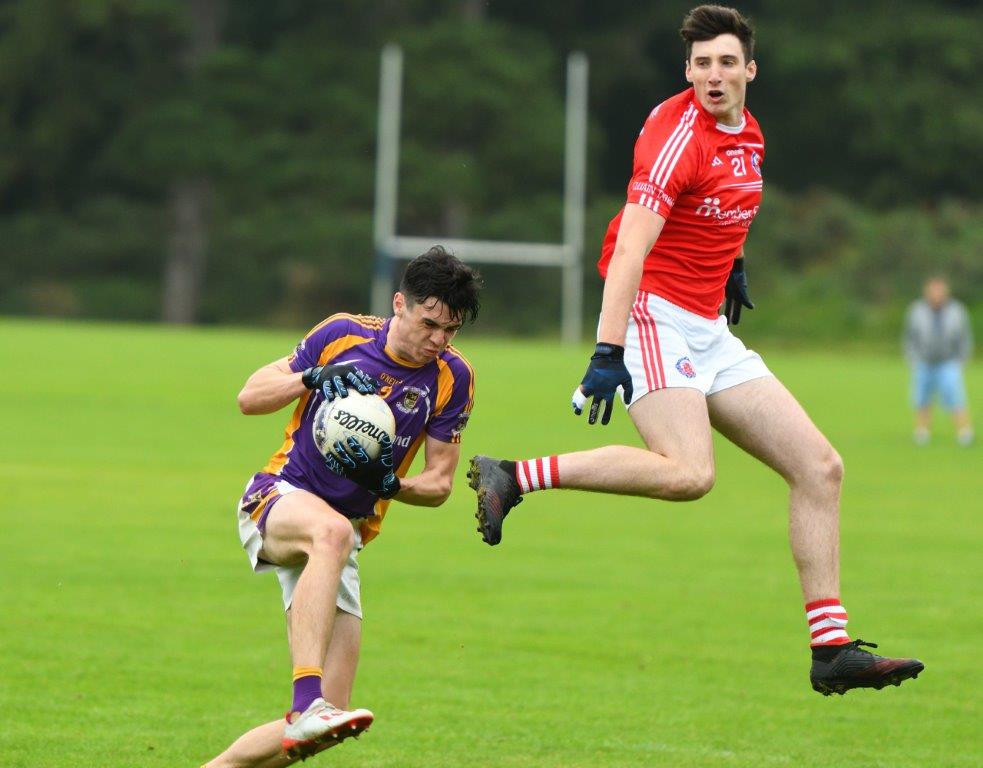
(353, 423)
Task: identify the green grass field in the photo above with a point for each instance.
(604, 632)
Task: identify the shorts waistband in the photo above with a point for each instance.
(688, 315)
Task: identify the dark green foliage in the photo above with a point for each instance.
(100, 115)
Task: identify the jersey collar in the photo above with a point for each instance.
(733, 129)
(710, 120)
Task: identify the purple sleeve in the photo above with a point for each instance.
(453, 413)
(308, 350)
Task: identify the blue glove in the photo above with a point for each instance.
(736, 293)
(605, 373)
(374, 475)
(332, 380)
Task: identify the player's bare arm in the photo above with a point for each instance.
(640, 228)
(275, 385)
(270, 388)
(432, 486)
(606, 371)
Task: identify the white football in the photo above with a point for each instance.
(365, 417)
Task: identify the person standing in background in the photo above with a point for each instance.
(938, 340)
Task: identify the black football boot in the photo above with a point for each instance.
(498, 492)
(851, 667)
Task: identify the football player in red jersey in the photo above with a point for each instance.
(671, 257)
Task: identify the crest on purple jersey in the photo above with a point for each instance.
(685, 367)
(410, 402)
(462, 422)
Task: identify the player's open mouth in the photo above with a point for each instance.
(715, 95)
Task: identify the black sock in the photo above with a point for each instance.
(825, 653)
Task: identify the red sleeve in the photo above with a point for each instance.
(666, 159)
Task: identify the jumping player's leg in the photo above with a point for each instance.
(762, 417)
(669, 409)
(677, 465)
(261, 747)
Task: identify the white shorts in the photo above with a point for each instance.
(349, 597)
(667, 346)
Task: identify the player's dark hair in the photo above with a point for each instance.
(441, 275)
(706, 22)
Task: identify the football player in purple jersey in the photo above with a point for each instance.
(306, 517)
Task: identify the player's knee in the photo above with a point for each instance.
(831, 467)
(700, 483)
(824, 469)
(692, 483)
(332, 535)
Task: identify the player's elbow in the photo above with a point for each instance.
(441, 492)
(247, 403)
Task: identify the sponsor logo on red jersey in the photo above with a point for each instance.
(726, 217)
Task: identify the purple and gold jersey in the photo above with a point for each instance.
(431, 399)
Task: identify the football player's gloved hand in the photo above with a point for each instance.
(736, 293)
(605, 373)
(334, 380)
(374, 475)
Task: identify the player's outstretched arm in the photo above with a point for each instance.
(432, 486)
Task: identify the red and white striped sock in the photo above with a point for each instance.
(827, 622)
(537, 474)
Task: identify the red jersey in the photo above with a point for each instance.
(704, 178)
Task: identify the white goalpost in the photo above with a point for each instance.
(568, 255)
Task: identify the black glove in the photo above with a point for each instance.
(332, 380)
(374, 475)
(605, 373)
(736, 293)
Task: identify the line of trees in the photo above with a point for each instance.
(213, 160)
